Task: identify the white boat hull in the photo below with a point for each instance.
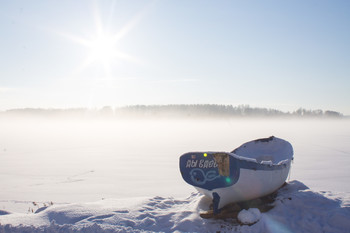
(251, 184)
(255, 169)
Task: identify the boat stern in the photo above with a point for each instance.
(209, 170)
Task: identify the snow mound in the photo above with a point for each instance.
(250, 216)
(296, 209)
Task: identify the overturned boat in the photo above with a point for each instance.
(255, 169)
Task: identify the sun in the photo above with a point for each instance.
(103, 46)
(103, 49)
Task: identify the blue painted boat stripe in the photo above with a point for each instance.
(200, 169)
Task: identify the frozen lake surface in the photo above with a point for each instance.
(67, 161)
(110, 176)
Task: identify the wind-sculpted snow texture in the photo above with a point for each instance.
(297, 209)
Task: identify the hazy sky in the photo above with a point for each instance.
(81, 53)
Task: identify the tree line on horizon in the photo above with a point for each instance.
(176, 110)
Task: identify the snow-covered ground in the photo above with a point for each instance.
(297, 209)
(106, 176)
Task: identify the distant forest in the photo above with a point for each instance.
(177, 110)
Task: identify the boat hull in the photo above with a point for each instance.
(250, 185)
(255, 169)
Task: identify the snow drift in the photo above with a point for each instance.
(296, 209)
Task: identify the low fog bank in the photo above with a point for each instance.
(172, 111)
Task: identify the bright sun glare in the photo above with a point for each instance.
(103, 49)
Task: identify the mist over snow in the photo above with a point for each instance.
(106, 175)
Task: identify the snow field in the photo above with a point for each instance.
(124, 176)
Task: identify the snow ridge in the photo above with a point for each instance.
(297, 209)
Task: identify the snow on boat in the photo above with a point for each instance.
(255, 169)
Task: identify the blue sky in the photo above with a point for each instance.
(275, 54)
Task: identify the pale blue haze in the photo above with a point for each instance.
(278, 54)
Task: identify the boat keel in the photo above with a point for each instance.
(216, 201)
